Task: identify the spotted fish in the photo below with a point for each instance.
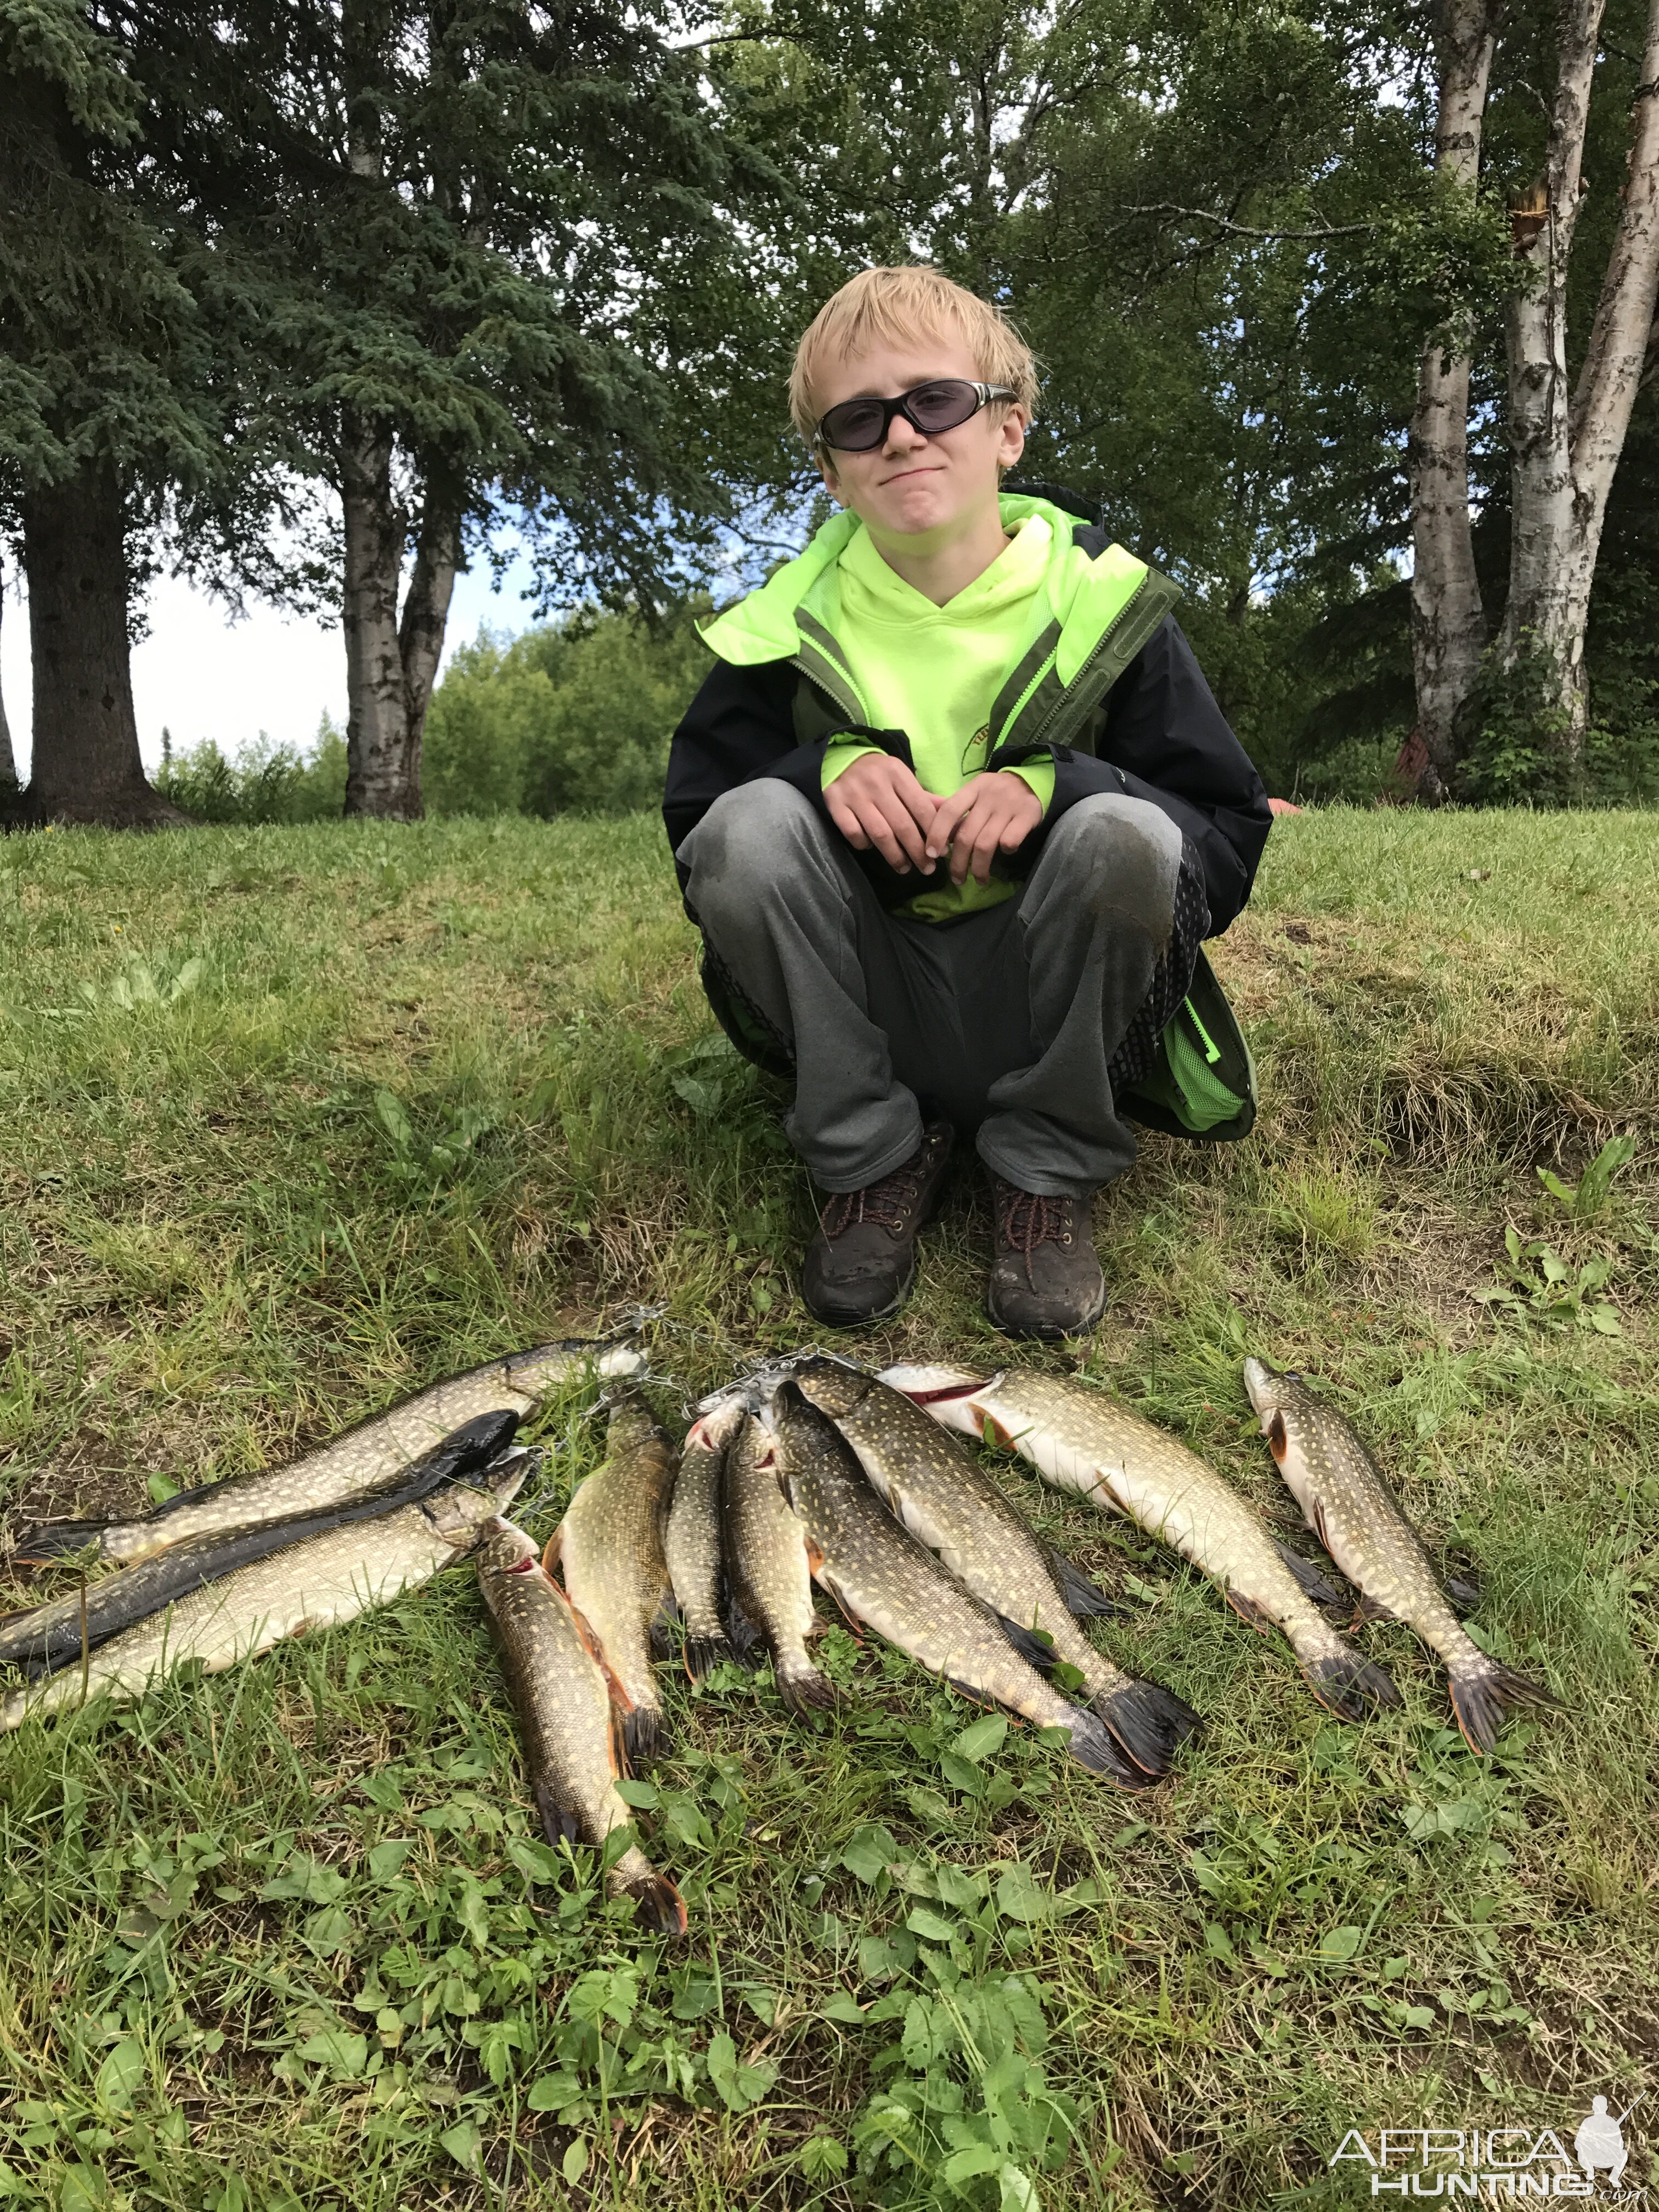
(943, 1497)
(1346, 1502)
(1079, 1439)
(767, 1568)
(693, 1541)
(609, 1550)
(371, 1457)
(879, 1573)
(49, 1636)
(568, 1718)
(321, 1583)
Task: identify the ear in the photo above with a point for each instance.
(1012, 443)
(831, 481)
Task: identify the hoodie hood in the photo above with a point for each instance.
(1086, 589)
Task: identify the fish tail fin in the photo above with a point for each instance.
(1094, 1747)
(1147, 1722)
(50, 1540)
(1481, 1696)
(704, 1653)
(658, 1903)
(644, 1736)
(1085, 1600)
(559, 1823)
(748, 1645)
(805, 1690)
(1349, 1685)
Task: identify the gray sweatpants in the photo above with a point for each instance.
(1005, 1022)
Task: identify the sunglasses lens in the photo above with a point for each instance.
(942, 405)
(855, 426)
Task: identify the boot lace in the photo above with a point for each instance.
(886, 1204)
(1027, 1219)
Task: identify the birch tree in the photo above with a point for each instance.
(1448, 622)
(496, 221)
(1566, 439)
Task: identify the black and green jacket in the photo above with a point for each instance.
(1107, 687)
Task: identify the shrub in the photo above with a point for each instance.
(572, 717)
(265, 782)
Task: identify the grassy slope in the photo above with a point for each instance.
(213, 1249)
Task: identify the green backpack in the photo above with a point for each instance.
(1202, 1084)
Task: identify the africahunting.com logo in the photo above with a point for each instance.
(1497, 2162)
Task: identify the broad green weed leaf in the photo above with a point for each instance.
(386, 1859)
(1340, 1942)
(574, 2164)
(1019, 1897)
(931, 1927)
(463, 2143)
(869, 1852)
(554, 2092)
(339, 2049)
(120, 2076)
(984, 1738)
(643, 1796)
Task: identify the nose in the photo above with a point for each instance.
(903, 438)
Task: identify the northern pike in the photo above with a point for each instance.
(321, 1583)
(1346, 1502)
(49, 1636)
(569, 1720)
(359, 1461)
(609, 1549)
(1081, 1440)
(767, 1572)
(943, 1497)
(879, 1573)
(693, 1543)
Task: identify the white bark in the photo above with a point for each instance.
(1449, 625)
(377, 763)
(1565, 446)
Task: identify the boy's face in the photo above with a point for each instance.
(913, 486)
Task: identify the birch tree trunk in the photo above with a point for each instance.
(378, 764)
(391, 661)
(1449, 623)
(1564, 444)
(391, 664)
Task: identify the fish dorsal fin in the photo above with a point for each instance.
(1279, 1442)
(555, 1551)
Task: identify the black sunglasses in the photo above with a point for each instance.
(859, 425)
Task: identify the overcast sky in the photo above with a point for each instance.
(203, 676)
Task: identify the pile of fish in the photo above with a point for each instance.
(811, 1471)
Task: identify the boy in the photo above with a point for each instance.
(952, 813)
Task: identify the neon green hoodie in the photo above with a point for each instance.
(1021, 656)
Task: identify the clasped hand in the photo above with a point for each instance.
(877, 802)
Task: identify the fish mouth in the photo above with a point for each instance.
(947, 1394)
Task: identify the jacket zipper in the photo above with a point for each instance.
(853, 709)
(1100, 646)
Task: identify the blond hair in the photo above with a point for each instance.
(895, 306)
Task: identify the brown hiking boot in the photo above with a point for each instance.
(861, 1265)
(1045, 1279)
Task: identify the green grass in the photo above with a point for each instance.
(293, 1120)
